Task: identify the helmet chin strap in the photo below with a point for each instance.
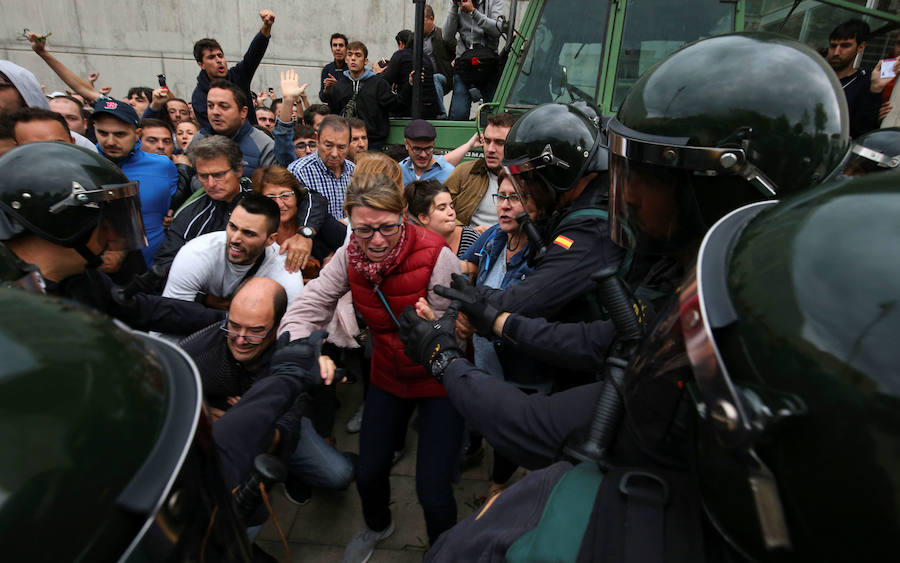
(93, 260)
(81, 247)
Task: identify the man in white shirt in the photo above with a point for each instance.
(212, 266)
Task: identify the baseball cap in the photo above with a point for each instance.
(117, 109)
(420, 130)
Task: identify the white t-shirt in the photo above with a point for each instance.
(202, 267)
(486, 214)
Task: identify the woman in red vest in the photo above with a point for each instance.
(387, 264)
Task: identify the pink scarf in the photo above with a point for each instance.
(374, 271)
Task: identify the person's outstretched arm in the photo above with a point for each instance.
(75, 82)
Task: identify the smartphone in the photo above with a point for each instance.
(887, 68)
(162, 80)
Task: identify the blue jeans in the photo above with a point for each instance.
(461, 101)
(440, 85)
(318, 464)
(437, 459)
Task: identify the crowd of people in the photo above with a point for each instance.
(264, 220)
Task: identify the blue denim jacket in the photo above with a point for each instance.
(489, 248)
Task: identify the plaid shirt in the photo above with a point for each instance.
(313, 174)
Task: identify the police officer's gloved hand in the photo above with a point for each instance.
(426, 340)
(299, 358)
(481, 313)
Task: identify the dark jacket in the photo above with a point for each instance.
(241, 74)
(186, 174)
(374, 101)
(397, 75)
(334, 71)
(862, 103)
(444, 51)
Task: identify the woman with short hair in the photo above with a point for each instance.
(388, 264)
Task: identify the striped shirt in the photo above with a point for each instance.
(313, 174)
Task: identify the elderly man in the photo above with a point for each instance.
(328, 171)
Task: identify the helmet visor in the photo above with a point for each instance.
(123, 224)
(651, 208)
(120, 220)
(864, 160)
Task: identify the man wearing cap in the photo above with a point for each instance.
(422, 164)
(118, 138)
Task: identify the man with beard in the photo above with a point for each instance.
(863, 91)
(210, 267)
(472, 183)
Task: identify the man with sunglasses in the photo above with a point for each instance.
(210, 267)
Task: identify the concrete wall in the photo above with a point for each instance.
(130, 42)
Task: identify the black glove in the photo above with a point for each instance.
(299, 358)
(425, 340)
(481, 313)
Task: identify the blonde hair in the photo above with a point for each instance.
(376, 191)
(379, 163)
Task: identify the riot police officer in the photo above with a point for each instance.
(556, 158)
(875, 151)
(687, 147)
(61, 206)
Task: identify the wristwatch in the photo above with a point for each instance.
(306, 231)
(442, 361)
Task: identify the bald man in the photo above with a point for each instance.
(234, 358)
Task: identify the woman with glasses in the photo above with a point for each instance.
(276, 183)
(499, 260)
(387, 265)
(430, 205)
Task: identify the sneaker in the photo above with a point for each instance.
(360, 548)
(355, 422)
(297, 491)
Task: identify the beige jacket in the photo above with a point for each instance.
(467, 184)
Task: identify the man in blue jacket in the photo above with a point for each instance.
(211, 60)
(118, 139)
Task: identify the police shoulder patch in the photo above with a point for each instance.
(564, 242)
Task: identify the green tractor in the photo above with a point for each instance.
(569, 50)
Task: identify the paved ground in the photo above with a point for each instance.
(319, 531)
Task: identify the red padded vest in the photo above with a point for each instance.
(403, 284)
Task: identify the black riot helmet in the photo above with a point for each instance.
(791, 320)
(62, 192)
(106, 451)
(550, 148)
(876, 151)
(722, 122)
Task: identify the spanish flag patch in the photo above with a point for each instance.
(564, 242)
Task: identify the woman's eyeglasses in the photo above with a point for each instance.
(369, 232)
(285, 196)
